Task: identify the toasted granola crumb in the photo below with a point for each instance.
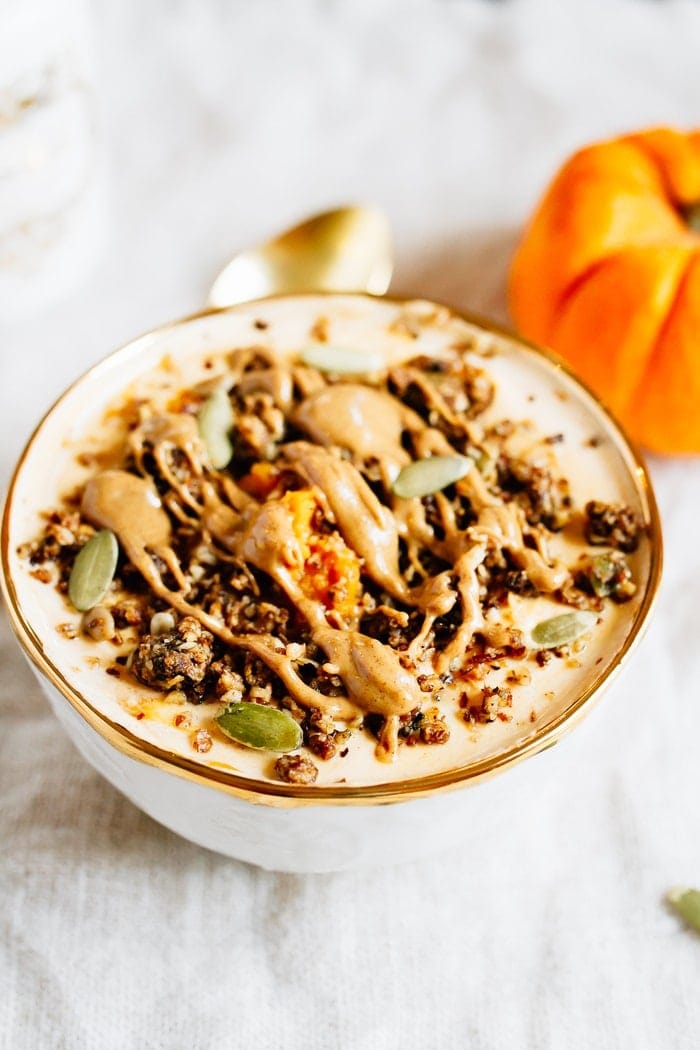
(296, 769)
(180, 656)
(319, 330)
(201, 741)
(98, 624)
(613, 524)
(493, 702)
(42, 575)
(434, 731)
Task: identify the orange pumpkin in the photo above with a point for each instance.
(608, 275)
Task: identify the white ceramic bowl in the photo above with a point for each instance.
(277, 825)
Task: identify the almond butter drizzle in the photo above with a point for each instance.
(370, 425)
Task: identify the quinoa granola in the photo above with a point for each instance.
(294, 577)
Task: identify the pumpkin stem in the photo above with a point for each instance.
(691, 215)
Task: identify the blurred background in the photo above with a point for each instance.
(141, 145)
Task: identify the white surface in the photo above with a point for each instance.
(228, 121)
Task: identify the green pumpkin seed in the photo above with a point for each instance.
(215, 421)
(601, 575)
(259, 726)
(93, 570)
(687, 904)
(340, 360)
(426, 476)
(609, 575)
(560, 630)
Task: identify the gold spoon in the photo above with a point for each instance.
(345, 250)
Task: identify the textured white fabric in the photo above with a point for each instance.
(226, 121)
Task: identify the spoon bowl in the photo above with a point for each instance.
(344, 250)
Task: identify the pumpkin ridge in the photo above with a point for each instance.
(590, 271)
(643, 147)
(560, 300)
(638, 366)
(667, 322)
(570, 290)
(675, 157)
(557, 291)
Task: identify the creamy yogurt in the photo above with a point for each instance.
(89, 419)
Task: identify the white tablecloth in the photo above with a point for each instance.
(226, 122)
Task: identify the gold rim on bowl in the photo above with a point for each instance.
(283, 794)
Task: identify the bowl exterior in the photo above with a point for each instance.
(312, 838)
